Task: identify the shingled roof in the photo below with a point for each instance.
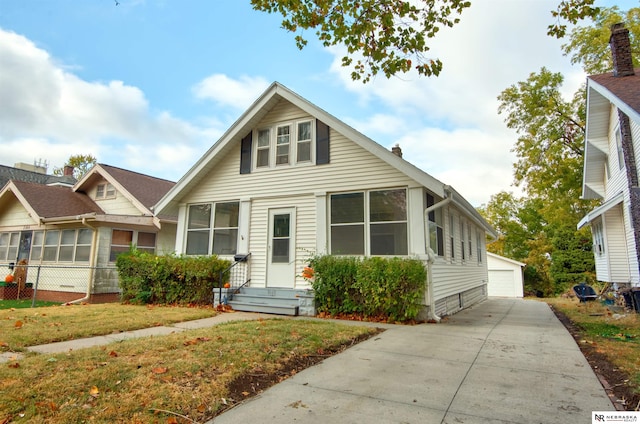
(148, 190)
(626, 88)
(10, 173)
(55, 201)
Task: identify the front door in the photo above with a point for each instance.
(281, 248)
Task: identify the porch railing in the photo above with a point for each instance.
(237, 275)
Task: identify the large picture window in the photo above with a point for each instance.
(369, 223)
(212, 229)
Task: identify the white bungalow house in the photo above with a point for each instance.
(67, 237)
(612, 141)
(288, 181)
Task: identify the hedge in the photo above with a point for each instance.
(392, 288)
(168, 279)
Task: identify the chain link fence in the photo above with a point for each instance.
(58, 283)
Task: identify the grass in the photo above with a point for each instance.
(183, 377)
(20, 328)
(23, 303)
(615, 335)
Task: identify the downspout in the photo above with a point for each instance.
(431, 255)
(92, 262)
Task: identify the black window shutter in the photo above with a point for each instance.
(245, 155)
(322, 143)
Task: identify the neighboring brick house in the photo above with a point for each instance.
(612, 152)
(76, 232)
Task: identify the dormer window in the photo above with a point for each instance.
(105, 191)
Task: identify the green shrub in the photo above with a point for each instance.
(374, 287)
(168, 279)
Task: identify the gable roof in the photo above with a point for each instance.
(603, 90)
(142, 190)
(252, 116)
(10, 173)
(623, 92)
(43, 201)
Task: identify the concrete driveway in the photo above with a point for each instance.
(502, 361)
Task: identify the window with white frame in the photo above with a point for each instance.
(303, 141)
(619, 148)
(9, 242)
(452, 239)
(69, 245)
(464, 256)
(598, 238)
(212, 228)
(369, 223)
(37, 243)
(263, 148)
(284, 144)
(469, 240)
(105, 191)
(479, 236)
(436, 227)
(122, 240)
(51, 243)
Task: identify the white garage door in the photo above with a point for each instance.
(501, 283)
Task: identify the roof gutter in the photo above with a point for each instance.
(430, 253)
(92, 256)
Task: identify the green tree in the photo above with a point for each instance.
(81, 165)
(589, 45)
(549, 152)
(390, 36)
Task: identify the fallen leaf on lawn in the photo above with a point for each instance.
(245, 393)
(202, 408)
(172, 420)
(94, 391)
(14, 365)
(4, 344)
(18, 324)
(113, 354)
(159, 370)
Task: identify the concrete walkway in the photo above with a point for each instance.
(503, 361)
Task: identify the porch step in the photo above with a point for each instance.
(263, 308)
(267, 300)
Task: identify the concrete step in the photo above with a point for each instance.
(265, 300)
(263, 308)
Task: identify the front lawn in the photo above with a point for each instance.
(184, 377)
(20, 328)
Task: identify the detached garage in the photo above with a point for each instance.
(505, 276)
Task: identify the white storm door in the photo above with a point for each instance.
(281, 249)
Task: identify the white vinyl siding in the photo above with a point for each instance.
(16, 216)
(308, 189)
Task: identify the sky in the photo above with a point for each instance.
(150, 85)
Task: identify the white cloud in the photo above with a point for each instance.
(237, 93)
(496, 44)
(50, 113)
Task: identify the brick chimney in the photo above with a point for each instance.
(67, 171)
(396, 150)
(621, 51)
